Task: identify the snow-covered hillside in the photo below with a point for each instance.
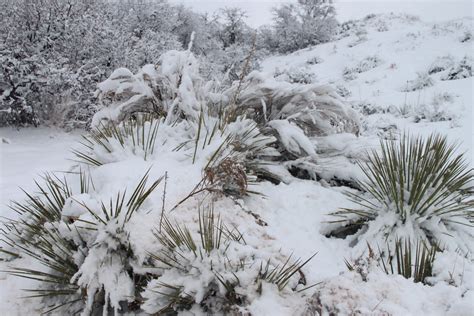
(398, 73)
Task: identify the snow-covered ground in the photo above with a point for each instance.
(371, 69)
(378, 58)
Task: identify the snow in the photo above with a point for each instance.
(290, 218)
(293, 138)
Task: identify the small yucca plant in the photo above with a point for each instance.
(135, 134)
(416, 263)
(418, 180)
(214, 270)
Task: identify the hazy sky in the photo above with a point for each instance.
(259, 11)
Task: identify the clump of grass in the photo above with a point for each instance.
(403, 261)
(418, 180)
(136, 134)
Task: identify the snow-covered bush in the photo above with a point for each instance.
(214, 271)
(441, 64)
(230, 154)
(173, 86)
(111, 142)
(423, 80)
(203, 109)
(370, 62)
(108, 269)
(466, 37)
(314, 60)
(80, 249)
(439, 109)
(361, 34)
(415, 188)
(317, 110)
(343, 91)
(306, 23)
(301, 75)
(463, 69)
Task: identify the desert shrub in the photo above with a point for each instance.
(463, 69)
(381, 26)
(417, 188)
(314, 60)
(211, 269)
(466, 37)
(343, 91)
(109, 142)
(370, 62)
(441, 64)
(423, 80)
(361, 36)
(438, 109)
(82, 263)
(416, 263)
(301, 75)
(403, 257)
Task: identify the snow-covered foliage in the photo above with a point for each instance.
(297, 75)
(463, 69)
(50, 67)
(422, 81)
(265, 157)
(427, 194)
(306, 23)
(172, 86)
(364, 65)
(318, 110)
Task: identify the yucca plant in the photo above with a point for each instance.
(416, 263)
(116, 207)
(62, 248)
(110, 253)
(225, 278)
(234, 155)
(419, 180)
(56, 253)
(281, 275)
(47, 203)
(136, 134)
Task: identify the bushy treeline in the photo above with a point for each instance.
(54, 52)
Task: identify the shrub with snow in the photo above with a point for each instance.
(370, 62)
(217, 271)
(463, 69)
(301, 75)
(438, 109)
(83, 262)
(423, 80)
(441, 64)
(415, 188)
(314, 60)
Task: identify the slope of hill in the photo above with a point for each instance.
(397, 70)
